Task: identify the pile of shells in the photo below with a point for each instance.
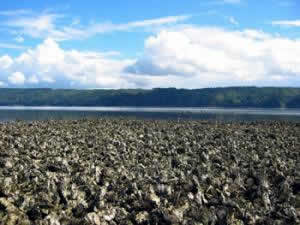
(124, 171)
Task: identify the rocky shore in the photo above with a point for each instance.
(125, 171)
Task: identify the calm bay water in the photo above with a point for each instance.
(12, 113)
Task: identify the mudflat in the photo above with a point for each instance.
(127, 171)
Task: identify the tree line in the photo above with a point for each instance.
(264, 97)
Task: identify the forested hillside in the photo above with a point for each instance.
(267, 97)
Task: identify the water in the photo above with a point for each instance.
(12, 113)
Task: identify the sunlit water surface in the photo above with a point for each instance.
(13, 113)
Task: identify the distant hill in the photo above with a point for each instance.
(266, 97)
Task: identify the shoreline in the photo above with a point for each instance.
(139, 171)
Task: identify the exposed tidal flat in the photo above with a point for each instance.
(128, 171)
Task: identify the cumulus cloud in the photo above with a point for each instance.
(50, 65)
(183, 57)
(17, 78)
(5, 62)
(218, 57)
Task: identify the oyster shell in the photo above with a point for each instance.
(129, 171)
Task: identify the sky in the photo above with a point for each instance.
(147, 44)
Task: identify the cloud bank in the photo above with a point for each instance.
(183, 57)
(211, 56)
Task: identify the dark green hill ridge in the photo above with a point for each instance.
(266, 97)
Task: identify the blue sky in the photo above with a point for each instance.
(146, 44)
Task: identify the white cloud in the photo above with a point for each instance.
(98, 28)
(17, 78)
(223, 2)
(153, 22)
(233, 21)
(183, 57)
(35, 26)
(41, 22)
(19, 39)
(53, 66)
(17, 12)
(45, 26)
(33, 80)
(287, 23)
(205, 56)
(232, 1)
(5, 62)
(11, 46)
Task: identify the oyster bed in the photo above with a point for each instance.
(126, 171)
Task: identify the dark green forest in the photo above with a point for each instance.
(266, 97)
